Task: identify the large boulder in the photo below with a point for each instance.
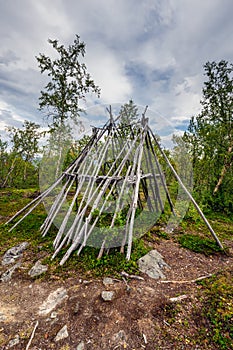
(153, 265)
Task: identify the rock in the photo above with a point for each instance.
(107, 281)
(55, 298)
(62, 334)
(37, 269)
(119, 339)
(6, 276)
(152, 264)
(81, 346)
(14, 253)
(13, 342)
(53, 315)
(2, 317)
(107, 295)
(77, 307)
(7, 313)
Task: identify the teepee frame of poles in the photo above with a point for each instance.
(118, 165)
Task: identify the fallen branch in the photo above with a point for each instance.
(179, 298)
(188, 281)
(128, 288)
(125, 274)
(32, 335)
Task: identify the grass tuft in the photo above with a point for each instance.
(198, 244)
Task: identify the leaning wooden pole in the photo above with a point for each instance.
(188, 193)
(161, 173)
(44, 194)
(135, 197)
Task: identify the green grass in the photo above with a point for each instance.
(198, 244)
(217, 307)
(29, 230)
(87, 263)
(209, 321)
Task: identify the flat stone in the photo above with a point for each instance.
(119, 337)
(107, 295)
(77, 307)
(14, 253)
(37, 269)
(153, 265)
(2, 317)
(81, 346)
(6, 276)
(7, 313)
(62, 334)
(13, 342)
(53, 315)
(119, 340)
(54, 299)
(108, 281)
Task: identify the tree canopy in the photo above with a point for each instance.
(210, 137)
(69, 82)
(18, 163)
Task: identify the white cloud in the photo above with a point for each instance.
(108, 73)
(151, 51)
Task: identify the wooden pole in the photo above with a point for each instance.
(135, 199)
(189, 194)
(161, 174)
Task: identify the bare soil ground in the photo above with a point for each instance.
(146, 315)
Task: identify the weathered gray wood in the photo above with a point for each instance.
(119, 204)
(135, 199)
(154, 185)
(161, 174)
(37, 199)
(95, 204)
(68, 237)
(57, 208)
(97, 179)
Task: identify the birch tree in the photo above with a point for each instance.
(25, 146)
(69, 83)
(210, 135)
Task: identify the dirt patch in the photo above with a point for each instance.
(141, 317)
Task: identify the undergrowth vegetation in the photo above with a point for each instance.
(214, 315)
(198, 244)
(217, 307)
(42, 247)
(192, 234)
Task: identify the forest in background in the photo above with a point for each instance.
(208, 139)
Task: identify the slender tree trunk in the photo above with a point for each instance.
(25, 171)
(58, 168)
(9, 173)
(225, 168)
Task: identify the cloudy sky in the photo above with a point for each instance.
(152, 51)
